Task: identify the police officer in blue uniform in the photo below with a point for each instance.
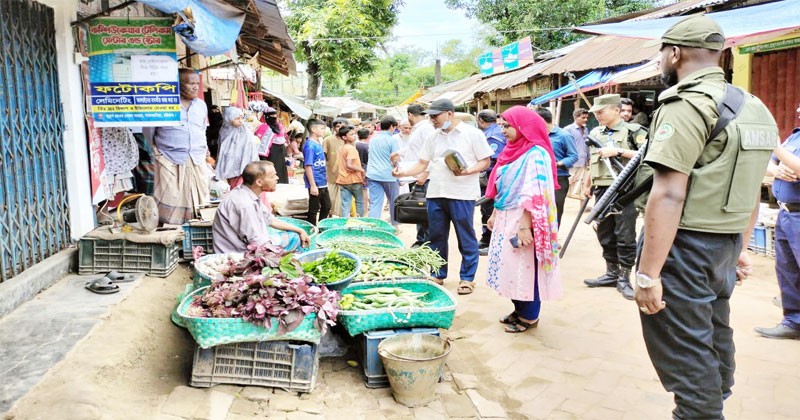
(785, 166)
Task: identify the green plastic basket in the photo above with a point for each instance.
(210, 332)
(438, 314)
(302, 224)
(354, 223)
(365, 236)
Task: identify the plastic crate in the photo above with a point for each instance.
(197, 235)
(100, 255)
(374, 374)
(292, 366)
(758, 242)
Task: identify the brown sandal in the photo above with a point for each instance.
(465, 287)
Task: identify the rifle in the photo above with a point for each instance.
(613, 164)
(620, 193)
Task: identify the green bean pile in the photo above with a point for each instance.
(423, 257)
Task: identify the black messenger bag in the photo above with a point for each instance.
(411, 207)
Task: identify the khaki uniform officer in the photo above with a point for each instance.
(703, 197)
(617, 232)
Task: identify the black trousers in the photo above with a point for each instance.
(422, 228)
(561, 196)
(318, 205)
(486, 212)
(617, 234)
(690, 342)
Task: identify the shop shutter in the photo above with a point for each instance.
(775, 80)
(34, 220)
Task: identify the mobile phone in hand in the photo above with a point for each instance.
(514, 241)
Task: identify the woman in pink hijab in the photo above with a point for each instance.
(523, 253)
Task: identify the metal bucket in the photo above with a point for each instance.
(413, 364)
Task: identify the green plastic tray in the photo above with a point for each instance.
(438, 314)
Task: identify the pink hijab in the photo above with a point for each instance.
(531, 131)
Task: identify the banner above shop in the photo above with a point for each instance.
(133, 72)
(512, 56)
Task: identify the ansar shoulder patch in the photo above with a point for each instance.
(665, 131)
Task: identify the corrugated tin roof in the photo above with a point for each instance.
(601, 52)
(264, 31)
(680, 8)
(449, 88)
(348, 105)
(464, 90)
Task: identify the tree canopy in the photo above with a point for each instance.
(337, 38)
(547, 22)
(401, 73)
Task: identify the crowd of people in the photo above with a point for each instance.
(705, 170)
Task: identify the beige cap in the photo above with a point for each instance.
(603, 101)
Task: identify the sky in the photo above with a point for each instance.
(423, 23)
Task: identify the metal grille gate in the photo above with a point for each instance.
(34, 221)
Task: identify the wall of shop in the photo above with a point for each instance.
(772, 74)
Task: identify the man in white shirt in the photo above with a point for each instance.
(421, 130)
(451, 194)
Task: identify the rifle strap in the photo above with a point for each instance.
(730, 107)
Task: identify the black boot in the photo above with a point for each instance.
(624, 283)
(609, 279)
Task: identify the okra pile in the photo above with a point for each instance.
(382, 270)
(382, 297)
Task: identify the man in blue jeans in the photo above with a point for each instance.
(451, 194)
(380, 181)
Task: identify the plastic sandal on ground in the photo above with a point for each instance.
(103, 286)
(118, 277)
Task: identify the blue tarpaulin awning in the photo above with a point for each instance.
(737, 24)
(216, 25)
(589, 81)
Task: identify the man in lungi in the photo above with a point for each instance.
(181, 182)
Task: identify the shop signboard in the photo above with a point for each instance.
(771, 46)
(510, 57)
(133, 72)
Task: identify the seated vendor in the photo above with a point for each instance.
(242, 219)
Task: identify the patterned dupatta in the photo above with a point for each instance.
(527, 183)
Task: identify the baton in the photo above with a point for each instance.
(572, 229)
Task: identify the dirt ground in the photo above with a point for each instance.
(586, 360)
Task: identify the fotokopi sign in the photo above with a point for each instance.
(133, 72)
(509, 57)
